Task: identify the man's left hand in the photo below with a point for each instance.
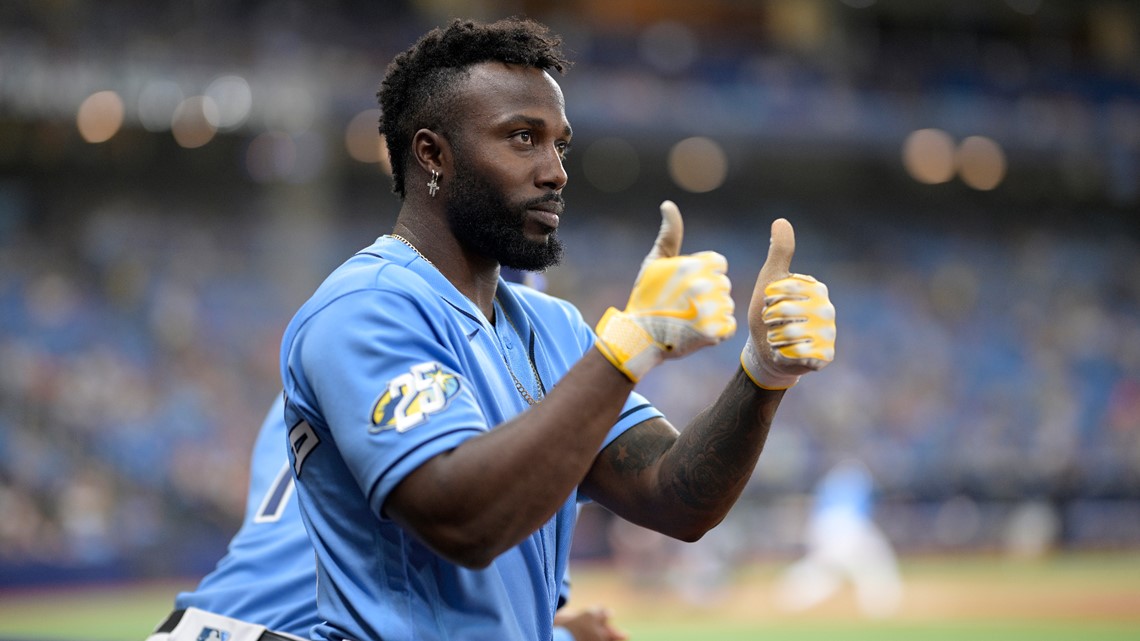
(791, 320)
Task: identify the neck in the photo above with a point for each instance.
(476, 277)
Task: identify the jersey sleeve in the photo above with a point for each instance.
(375, 368)
(637, 408)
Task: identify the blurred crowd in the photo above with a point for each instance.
(988, 368)
(140, 354)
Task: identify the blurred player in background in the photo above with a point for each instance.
(265, 585)
(844, 544)
(267, 577)
(444, 424)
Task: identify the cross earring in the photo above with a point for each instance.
(433, 184)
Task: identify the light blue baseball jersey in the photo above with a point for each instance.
(385, 367)
(268, 575)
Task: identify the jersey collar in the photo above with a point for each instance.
(401, 254)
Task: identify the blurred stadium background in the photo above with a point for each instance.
(176, 177)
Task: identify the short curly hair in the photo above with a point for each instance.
(419, 83)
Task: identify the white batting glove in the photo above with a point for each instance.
(678, 305)
(791, 319)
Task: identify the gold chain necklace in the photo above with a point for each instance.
(533, 368)
(413, 248)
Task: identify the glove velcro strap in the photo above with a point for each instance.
(626, 344)
(761, 373)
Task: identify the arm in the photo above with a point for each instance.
(684, 484)
(486, 495)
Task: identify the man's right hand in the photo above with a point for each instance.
(678, 305)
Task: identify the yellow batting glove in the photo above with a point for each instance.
(678, 304)
(791, 318)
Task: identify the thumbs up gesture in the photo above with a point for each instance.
(678, 304)
(791, 321)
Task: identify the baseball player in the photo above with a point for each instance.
(265, 586)
(443, 424)
(844, 543)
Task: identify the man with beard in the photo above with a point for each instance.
(443, 423)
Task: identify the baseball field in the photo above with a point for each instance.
(1079, 597)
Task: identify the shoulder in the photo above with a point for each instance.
(369, 300)
(391, 283)
(371, 271)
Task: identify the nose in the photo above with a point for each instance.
(551, 174)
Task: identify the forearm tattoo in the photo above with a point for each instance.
(639, 449)
(713, 458)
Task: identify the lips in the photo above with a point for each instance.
(547, 213)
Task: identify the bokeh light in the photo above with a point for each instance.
(363, 141)
(192, 124)
(233, 99)
(981, 163)
(100, 116)
(698, 164)
(928, 156)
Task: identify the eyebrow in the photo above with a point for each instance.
(537, 123)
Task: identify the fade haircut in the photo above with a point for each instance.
(420, 84)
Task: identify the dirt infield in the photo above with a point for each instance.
(1103, 588)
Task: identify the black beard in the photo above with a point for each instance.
(485, 223)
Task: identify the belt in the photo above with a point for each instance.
(176, 616)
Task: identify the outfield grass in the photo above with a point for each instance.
(1012, 631)
(105, 613)
(1087, 597)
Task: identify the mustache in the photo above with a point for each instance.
(548, 198)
